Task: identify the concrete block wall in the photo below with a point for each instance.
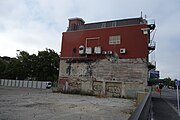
(121, 78)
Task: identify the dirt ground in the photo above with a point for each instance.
(37, 104)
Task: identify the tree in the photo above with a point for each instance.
(48, 64)
(43, 66)
(168, 81)
(3, 66)
(25, 63)
(14, 70)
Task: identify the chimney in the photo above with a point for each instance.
(74, 22)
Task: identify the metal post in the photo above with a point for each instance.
(178, 99)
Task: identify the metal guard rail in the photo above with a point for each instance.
(143, 110)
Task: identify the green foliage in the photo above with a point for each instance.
(169, 82)
(44, 66)
(3, 66)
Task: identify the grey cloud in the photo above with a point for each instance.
(35, 25)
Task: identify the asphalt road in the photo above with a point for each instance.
(170, 95)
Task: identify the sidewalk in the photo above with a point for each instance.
(162, 110)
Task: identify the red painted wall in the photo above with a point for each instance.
(132, 39)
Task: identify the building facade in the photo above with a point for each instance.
(106, 58)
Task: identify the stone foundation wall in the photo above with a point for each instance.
(120, 79)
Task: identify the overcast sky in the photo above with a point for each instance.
(33, 25)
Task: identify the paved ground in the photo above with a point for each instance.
(164, 107)
(34, 104)
(170, 95)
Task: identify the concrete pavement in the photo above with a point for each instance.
(39, 104)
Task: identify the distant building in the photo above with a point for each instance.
(106, 58)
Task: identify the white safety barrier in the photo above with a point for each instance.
(24, 83)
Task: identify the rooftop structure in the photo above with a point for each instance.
(79, 23)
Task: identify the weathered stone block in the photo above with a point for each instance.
(133, 73)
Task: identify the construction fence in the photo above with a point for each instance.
(24, 83)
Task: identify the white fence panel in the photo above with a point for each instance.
(38, 84)
(24, 83)
(17, 83)
(34, 84)
(29, 84)
(2, 81)
(13, 83)
(9, 82)
(5, 82)
(43, 85)
(20, 83)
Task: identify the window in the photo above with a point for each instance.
(103, 25)
(113, 24)
(114, 40)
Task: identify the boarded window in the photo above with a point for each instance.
(114, 40)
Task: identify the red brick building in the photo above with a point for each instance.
(105, 53)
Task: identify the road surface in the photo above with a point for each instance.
(165, 106)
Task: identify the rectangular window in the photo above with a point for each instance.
(113, 24)
(114, 40)
(103, 25)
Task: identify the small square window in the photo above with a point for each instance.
(114, 40)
